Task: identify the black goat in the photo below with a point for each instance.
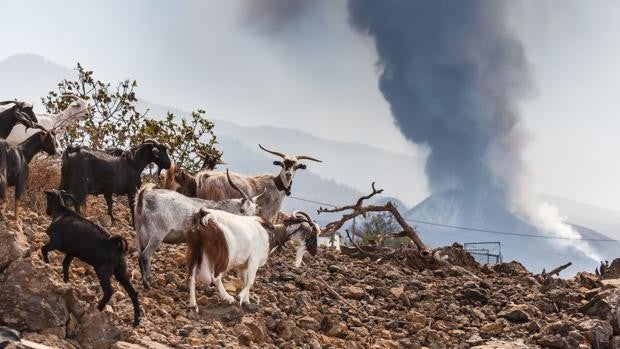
(13, 112)
(98, 172)
(78, 237)
(210, 161)
(14, 160)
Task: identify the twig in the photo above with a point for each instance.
(341, 298)
(355, 244)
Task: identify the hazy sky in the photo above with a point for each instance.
(318, 75)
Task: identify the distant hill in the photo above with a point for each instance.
(356, 165)
(452, 208)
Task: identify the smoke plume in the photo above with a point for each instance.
(454, 73)
(270, 16)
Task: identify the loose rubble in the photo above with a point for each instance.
(332, 301)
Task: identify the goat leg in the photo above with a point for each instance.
(193, 307)
(104, 274)
(250, 275)
(120, 273)
(17, 206)
(220, 287)
(44, 250)
(131, 201)
(66, 263)
(109, 201)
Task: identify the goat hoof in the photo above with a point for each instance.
(192, 313)
(230, 300)
(136, 322)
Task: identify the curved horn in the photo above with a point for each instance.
(150, 140)
(306, 157)
(24, 119)
(305, 215)
(282, 155)
(235, 187)
(254, 198)
(311, 222)
(35, 125)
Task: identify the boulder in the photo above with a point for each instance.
(517, 313)
(13, 245)
(605, 306)
(32, 297)
(95, 330)
(588, 280)
(353, 292)
(596, 331)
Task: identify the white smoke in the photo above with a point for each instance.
(514, 175)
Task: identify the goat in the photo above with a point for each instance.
(78, 237)
(14, 160)
(14, 112)
(85, 171)
(210, 161)
(76, 111)
(214, 186)
(161, 214)
(219, 241)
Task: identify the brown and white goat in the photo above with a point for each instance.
(219, 241)
(212, 185)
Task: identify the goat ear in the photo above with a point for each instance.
(278, 163)
(300, 167)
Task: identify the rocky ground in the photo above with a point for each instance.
(332, 301)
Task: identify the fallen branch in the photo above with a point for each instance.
(556, 271)
(359, 210)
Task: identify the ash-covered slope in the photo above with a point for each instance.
(456, 209)
(333, 301)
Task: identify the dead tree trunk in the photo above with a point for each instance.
(359, 210)
(556, 271)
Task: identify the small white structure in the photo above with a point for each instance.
(330, 241)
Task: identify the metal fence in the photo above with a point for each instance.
(488, 252)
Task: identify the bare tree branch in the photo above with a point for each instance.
(358, 210)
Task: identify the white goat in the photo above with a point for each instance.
(218, 241)
(78, 110)
(161, 215)
(213, 185)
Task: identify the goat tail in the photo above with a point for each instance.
(120, 243)
(194, 228)
(194, 250)
(139, 206)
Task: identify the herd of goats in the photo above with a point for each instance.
(228, 220)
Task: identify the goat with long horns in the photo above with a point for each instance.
(212, 185)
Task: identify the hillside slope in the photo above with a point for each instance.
(333, 301)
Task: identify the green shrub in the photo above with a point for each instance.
(117, 123)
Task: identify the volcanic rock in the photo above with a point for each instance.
(33, 298)
(96, 331)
